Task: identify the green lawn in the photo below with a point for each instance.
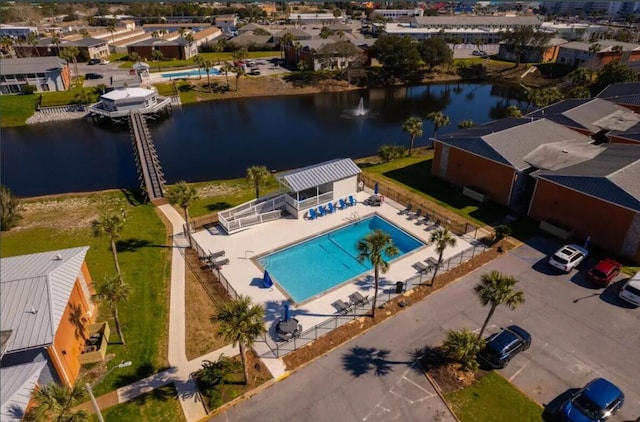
(160, 405)
(630, 270)
(51, 224)
(493, 398)
(59, 98)
(16, 109)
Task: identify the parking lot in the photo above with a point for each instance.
(579, 332)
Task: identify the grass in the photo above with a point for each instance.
(630, 270)
(59, 98)
(492, 398)
(64, 222)
(16, 109)
(157, 406)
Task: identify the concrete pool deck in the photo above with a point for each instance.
(246, 277)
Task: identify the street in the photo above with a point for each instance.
(578, 334)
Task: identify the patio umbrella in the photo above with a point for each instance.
(375, 189)
(266, 279)
(287, 312)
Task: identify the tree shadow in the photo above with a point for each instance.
(218, 206)
(132, 244)
(428, 357)
(135, 197)
(551, 409)
(143, 371)
(77, 319)
(361, 360)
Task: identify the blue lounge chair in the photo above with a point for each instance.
(351, 200)
(343, 204)
(330, 207)
(321, 211)
(313, 214)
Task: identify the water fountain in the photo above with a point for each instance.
(360, 111)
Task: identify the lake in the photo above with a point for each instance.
(220, 139)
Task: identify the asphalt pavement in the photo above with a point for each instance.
(579, 333)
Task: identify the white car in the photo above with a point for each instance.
(568, 257)
(104, 62)
(630, 291)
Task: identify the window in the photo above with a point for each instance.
(40, 75)
(44, 87)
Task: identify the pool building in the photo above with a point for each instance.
(119, 103)
(312, 261)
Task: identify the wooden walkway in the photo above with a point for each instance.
(149, 170)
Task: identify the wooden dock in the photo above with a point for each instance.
(149, 171)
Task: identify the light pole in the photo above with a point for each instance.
(89, 388)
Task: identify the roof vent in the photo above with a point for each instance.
(58, 257)
(564, 151)
(33, 311)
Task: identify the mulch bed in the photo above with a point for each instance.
(352, 329)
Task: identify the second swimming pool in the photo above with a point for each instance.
(311, 267)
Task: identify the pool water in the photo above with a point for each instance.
(212, 72)
(309, 268)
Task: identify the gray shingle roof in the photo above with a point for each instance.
(606, 45)
(590, 114)
(509, 140)
(319, 174)
(85, 42)
(31, 65)
(622, 93)
(16, 384)
(477, 20)
(612, 175)
(248, 38)
(34, 292)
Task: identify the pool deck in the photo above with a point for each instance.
(246, 277)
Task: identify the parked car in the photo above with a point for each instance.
(103, 61)
(503, 346)
(630, 291)
(93, 76)
(568, 257)
(479, 53)
(596, 402)
(604, 272)
(91, 62)
(255, 72)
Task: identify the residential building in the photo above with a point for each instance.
(178, 49)
(578, 53)
(45, 73)
(46, 317)
(17, 32)
(172, 27)
(298, 35)
(207, 35)
(315, 18)
(250, 27)
(89, 48)
(396, 13)
(546, 54)
(227, 23)
(308, 51)
(606, 185)
(625, 94)
(468, 29)
(575, 31)
(611, 8)
(119, 103)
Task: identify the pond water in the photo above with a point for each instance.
(220, 139)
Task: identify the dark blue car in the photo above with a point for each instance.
(596, 402)
(503, 346)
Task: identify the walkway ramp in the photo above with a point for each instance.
(253, 212)
(149, 171)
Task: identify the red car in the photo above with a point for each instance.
(604, 272)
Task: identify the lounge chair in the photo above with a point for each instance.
(406, 211)
(216, 254)
(331, 208)
(358, 299)
(351, 200)
(313, 214)
(342, 204)
(341, 306)
(219, 264)
(425, 219)
(421, 267)
(415, 215)
(321, 211)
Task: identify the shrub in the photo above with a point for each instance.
(28, 89)
(10, 209)
(391, 152)
(502, 231)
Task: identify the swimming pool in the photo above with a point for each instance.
(309, 268)
(212, 72)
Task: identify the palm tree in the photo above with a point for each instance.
(189, 38)
(465, 124)
(198, 60)
(443, 239)
(55, 402)
(32, 40)
(207, 65)
(374, 247)
(439, 120)
(112, 225)
(55, 40)
(157, 55)
(239, 70)
(240, 322)
(286, 39)
(113, 290)
(182, 194)
(111, 27)
(513, 111)
(462, 346)
(413, 126)
(218, 47)
(71, 54)
(497, 289)
(10, 206)
(257, 175)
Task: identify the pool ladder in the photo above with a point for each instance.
(354, 217)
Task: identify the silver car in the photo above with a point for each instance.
(630, 291)
(568, 257)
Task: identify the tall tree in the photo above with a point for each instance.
(199, 61)
(443, 239)
(439, 120)
(413, 126)
(240, 322)
(612, 73)
(71, 54)
(285, 40)
(513, 111)
(465, 124)
(435, 52)
(525, 38)
(497, 289)
(111, 27)
(182, 195)
(376, 247)
(207, 65)
(55, 402)
(258, 175)
(158, 56)
(32, 40)
(110, 224)
(113, 290)
(218, 48)
(399, 56)
(10, 209)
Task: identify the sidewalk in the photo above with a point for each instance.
(181, 368)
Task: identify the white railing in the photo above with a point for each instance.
(162, 102)
(310, 202)
(253, 212)
(251, 220)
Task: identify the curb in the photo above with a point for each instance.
(438, 391)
